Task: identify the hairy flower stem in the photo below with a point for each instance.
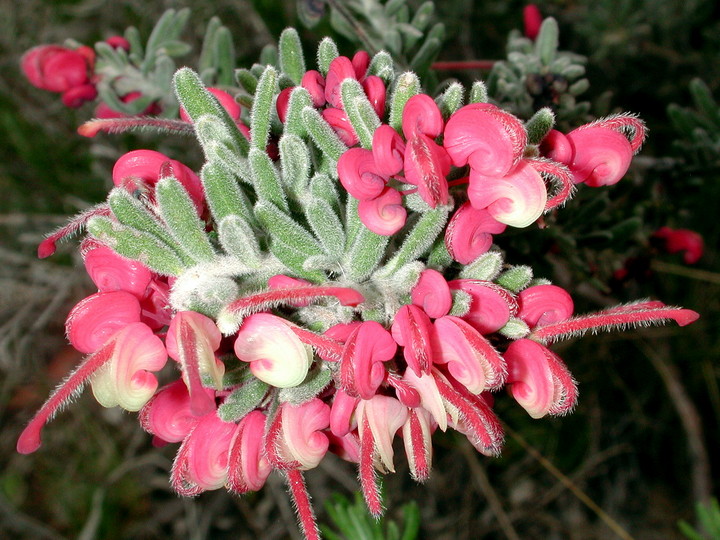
(303, 508)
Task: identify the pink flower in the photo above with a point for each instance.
(383, 214)
(339, 121)
(276, 355)
(341, 68)
(202, 461)
(168, 414)
(491, 307)
(361, 368)
(539, 380)
(379, 418)
(411, 329)
(544, 304)
(469, 233)
(681, 240)
(388, 151)
(248, 468)
(118, 42)
(94, 320)
(111, 272)
(487, 138)
(532, 20)
(302, 438)
(314, 83)
(126, 379)
(432, 293)
(359, 174)
(62, 70)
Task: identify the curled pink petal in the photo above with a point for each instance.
(427, 165)
(517, 199)
(681, 240)
(557, 147)
(375, 91)
(469, 233)
(411, 329)
(432, 293)
(360, 63)
(168, 415)
(558, 176)
(385, 415)
(601, 155)
(118, 42)
(470, 358)
(544, 304)
(314, 83)
(55, 68)
(248, 468)
(302, 425)
(202, 461)
(361, 368)
(341, 125)
(388, 150)
(359, 175)
(384, 214)
(96, 318)
(421, 116)
(281, 104)
(539, 380)
(78, 95)
(276, 355)
(111, 272)
(127, 379)
(342, 419)
(491, 306)
(341, 68)
(487, 138)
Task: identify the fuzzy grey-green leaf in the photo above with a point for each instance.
(242, 400)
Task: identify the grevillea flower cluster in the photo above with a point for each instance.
(332, 278)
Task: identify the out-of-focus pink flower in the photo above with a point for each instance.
(127, 379)
(532, 20)
(62, 70)
(539, 380)
(276, 355)
(681, 240)
(93, 321)
(469, 232)
(118, 42)
(384, 214)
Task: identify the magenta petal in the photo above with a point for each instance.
(94, 320)
(360, 63)
(432, 293)
(340, 123)
(544, 304)
(342, 410)
(516, 199)
(487, 138)
(111, 272)
(384, 214)
(411, 329)
(469, 233)
(388, 150)
(248, 468)
(557, 147)
(167, 415)
(471, 360)
(491, 306)
(426, 166)
(314, 83)
(361, 369)
(601, 155)
(539, 380)
(302, 426)
(341, 68)
(375, 91)
(359, 175)
(421, 116)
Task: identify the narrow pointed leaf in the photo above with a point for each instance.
(239, 239)
(292, 61)
(266, 179)
(262, 108)
(223, 193)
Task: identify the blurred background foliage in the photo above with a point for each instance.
(636, 456)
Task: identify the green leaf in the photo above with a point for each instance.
(326, 53)
(180, 215)
(294, 122)
(197, 101)
(364, 254)
(239, 239)
(546, 43)
(325, 188)
(326, 226)
(294, 163)
(315, 382)
(207, 53)
(418, 240)
(516, 278)
(486, 267)
(246, 80)
(382, 65)
(540, 125)
(266, 179)
(323, 136)
(224, 57)
(242, 400)
(292, 61)
(360, 112)
(439, 257)
(406, 86)
(426, 54)
(451, 99)
(262, 108)
(223, 193)
(137, 245)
